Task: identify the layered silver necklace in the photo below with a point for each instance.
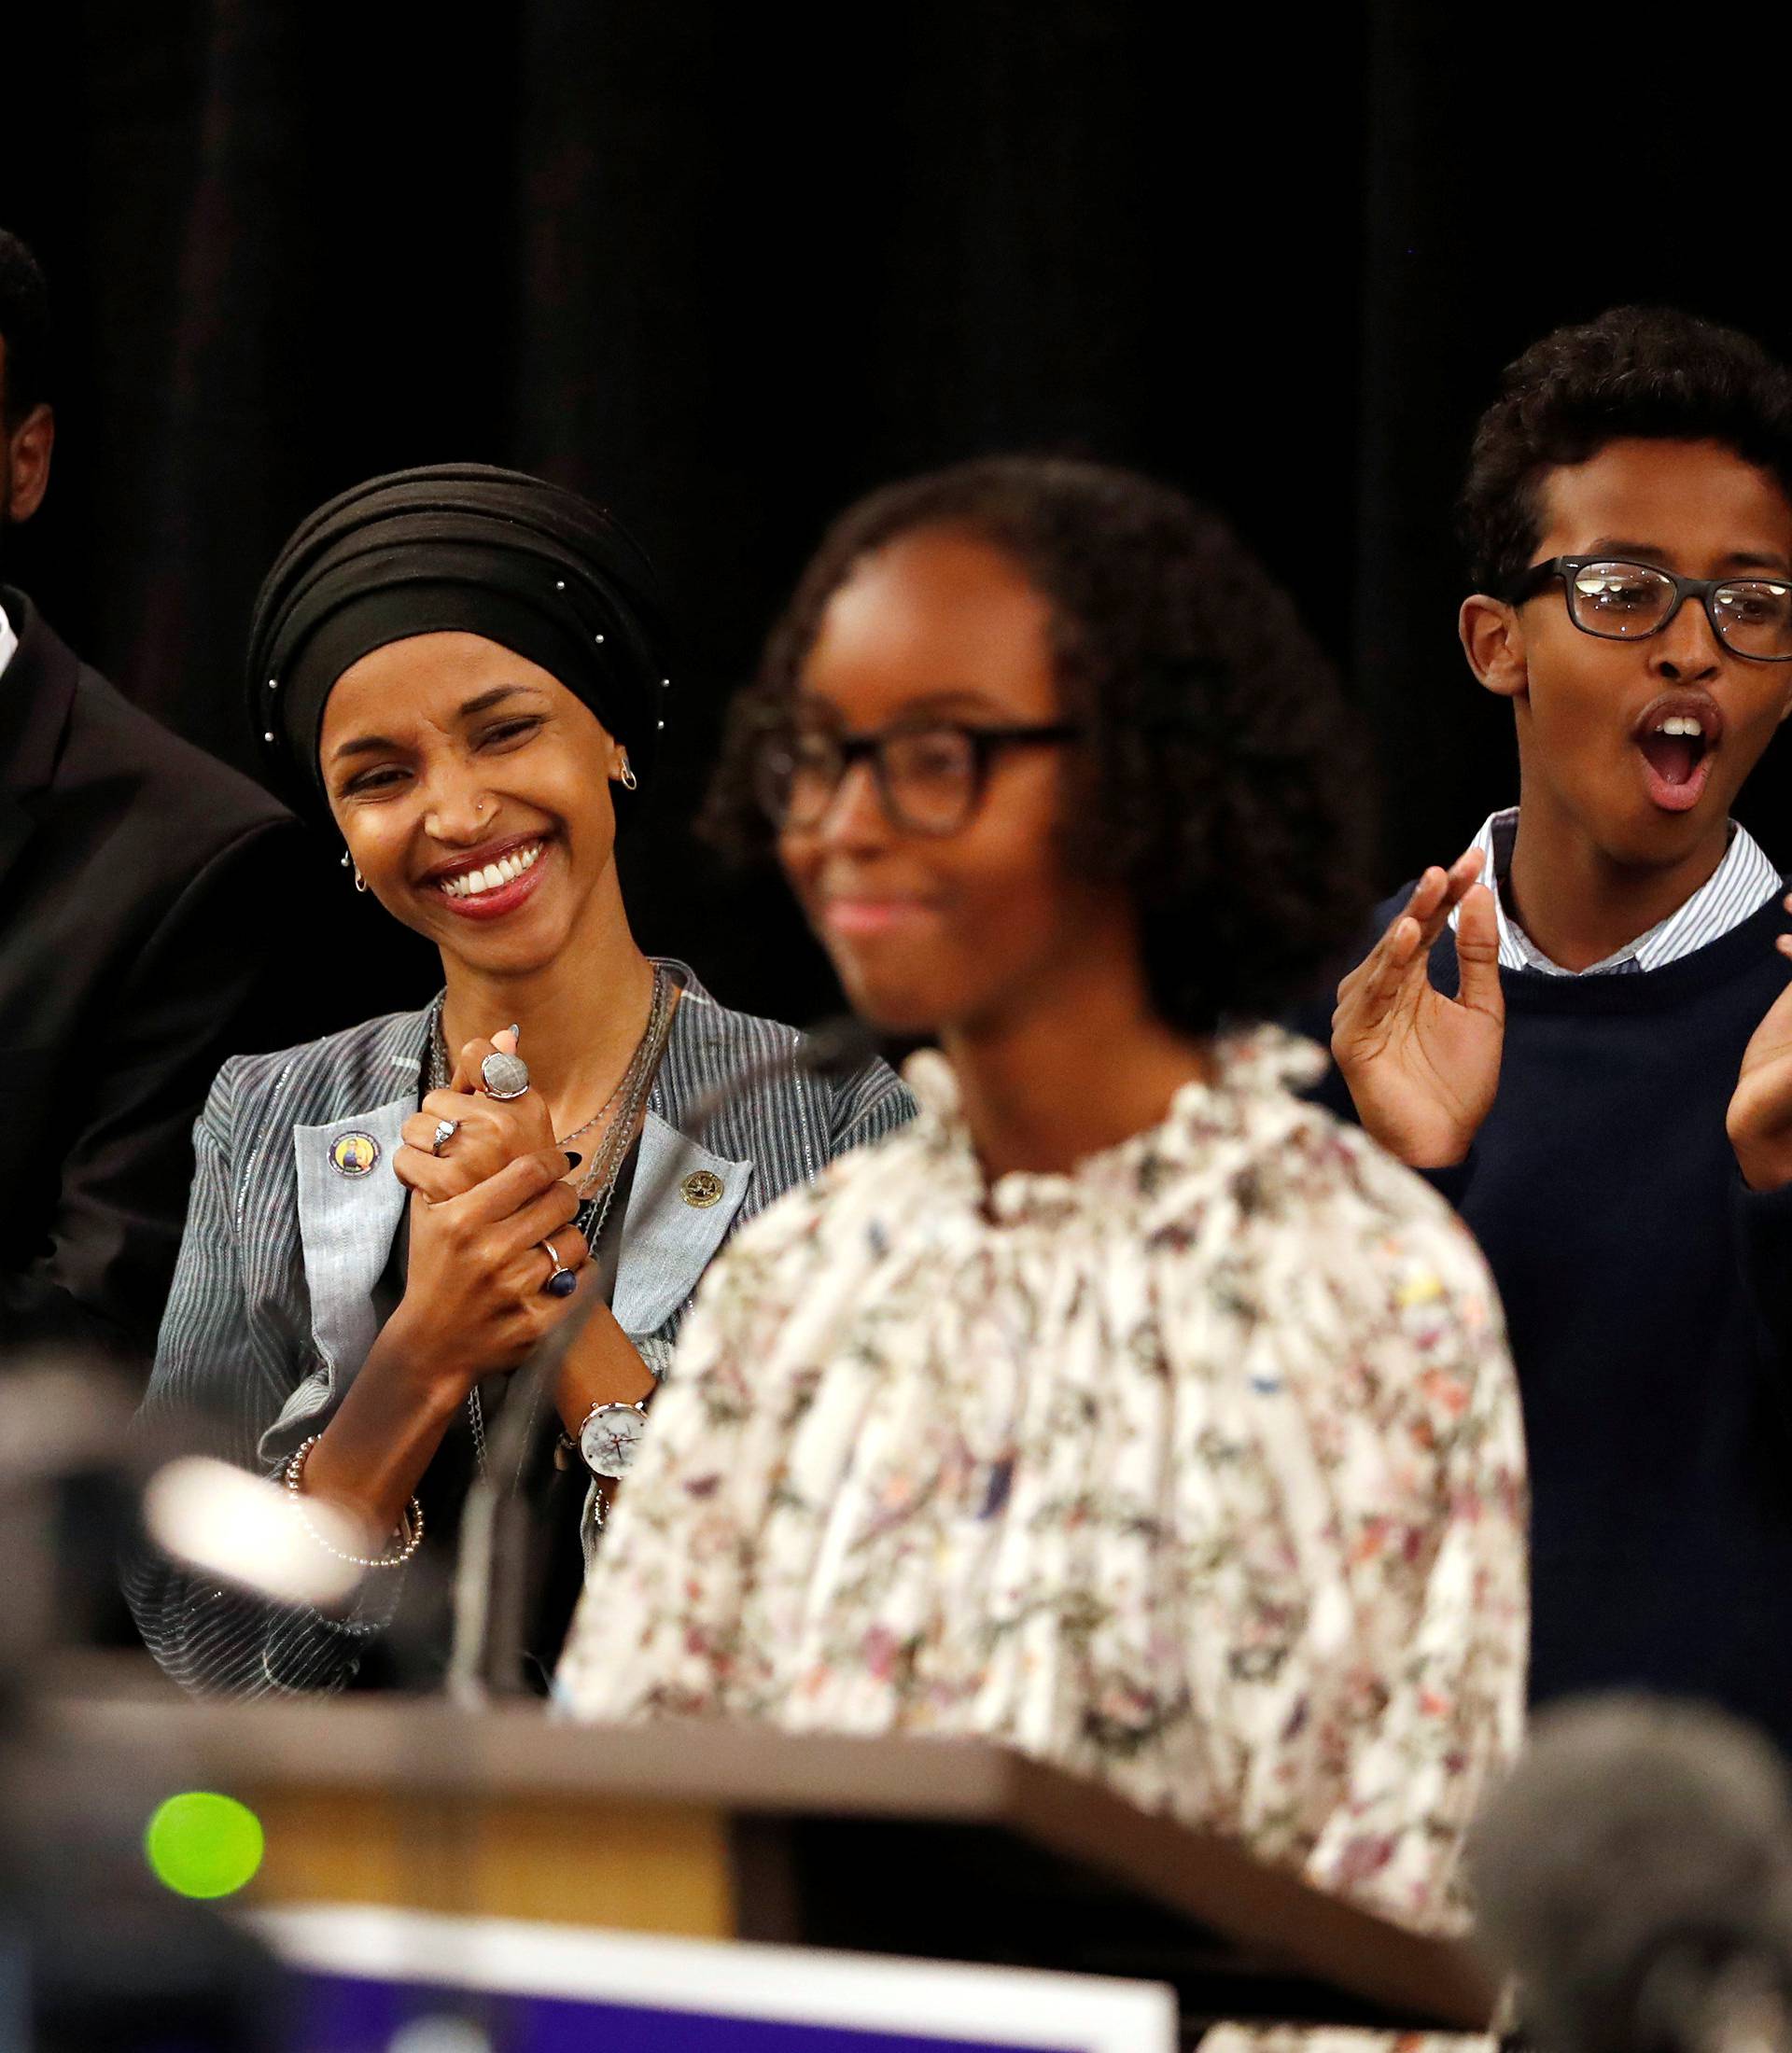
(598, 1187)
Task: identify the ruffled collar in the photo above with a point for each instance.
(1250, 1095)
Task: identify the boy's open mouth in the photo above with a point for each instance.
(1676, 742)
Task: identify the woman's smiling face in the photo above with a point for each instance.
(473, 789)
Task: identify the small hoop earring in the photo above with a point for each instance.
(627, 779)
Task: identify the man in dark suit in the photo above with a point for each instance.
(141, 893)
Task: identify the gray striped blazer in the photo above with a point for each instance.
(272, 1309)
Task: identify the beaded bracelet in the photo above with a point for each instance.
(410, 1533)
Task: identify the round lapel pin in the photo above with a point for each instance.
(701, 1188)
(354, 1155)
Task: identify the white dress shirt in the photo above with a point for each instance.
(9, 641)
(1739, 885)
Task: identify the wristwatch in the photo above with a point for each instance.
(611, 1437)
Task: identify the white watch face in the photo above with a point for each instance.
(609, 1438)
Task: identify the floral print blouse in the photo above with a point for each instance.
(1198, 1471)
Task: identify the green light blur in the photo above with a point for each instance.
(201, 1844)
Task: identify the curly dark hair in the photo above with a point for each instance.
(1228, 778)
(25, 328)
(1651, 373)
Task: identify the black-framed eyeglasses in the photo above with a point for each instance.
(1622, 601)
(930, 777)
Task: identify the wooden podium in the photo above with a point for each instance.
(945, 1848)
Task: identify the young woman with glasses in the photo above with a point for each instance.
(1126, 1407)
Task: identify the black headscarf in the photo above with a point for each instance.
(455, 546)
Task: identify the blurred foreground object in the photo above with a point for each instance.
(1635, 1876)
(219, 1519)
(377, 1980)
(96, 1950)
(941, 1849)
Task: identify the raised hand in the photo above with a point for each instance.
(1423, 1068)
(1760, 1120)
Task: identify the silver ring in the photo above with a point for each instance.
(445, 1131)
(554, 1286)
(504, 1076)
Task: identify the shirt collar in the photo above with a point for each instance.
(1739, 885)
(9, 641)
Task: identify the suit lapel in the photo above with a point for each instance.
(346, 1221)
(675, 1222)
(36, 697)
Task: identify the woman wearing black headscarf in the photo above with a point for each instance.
(460, 667)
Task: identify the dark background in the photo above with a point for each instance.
(727, 266)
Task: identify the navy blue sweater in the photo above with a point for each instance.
(1649, 1294)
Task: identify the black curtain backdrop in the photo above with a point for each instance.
(726, 268)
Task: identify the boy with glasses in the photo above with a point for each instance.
(1597, 1063)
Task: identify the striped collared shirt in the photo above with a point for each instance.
(1739, 885)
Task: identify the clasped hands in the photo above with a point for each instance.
(482, 1213)
(1424, 1069)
